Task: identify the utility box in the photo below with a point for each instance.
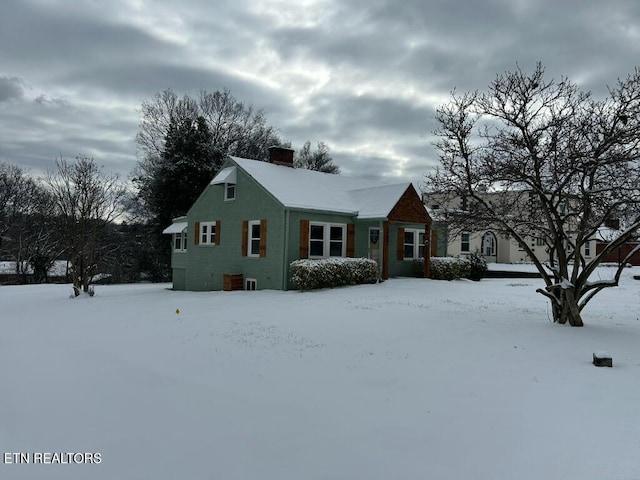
(232, 281)
(602, 359)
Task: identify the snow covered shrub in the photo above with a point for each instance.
(450, 268)
(478, 266)
(332, 272)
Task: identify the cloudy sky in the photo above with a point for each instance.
(364, 76)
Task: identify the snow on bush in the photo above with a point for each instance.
(450, 268)
(478, 266)
(332, 272)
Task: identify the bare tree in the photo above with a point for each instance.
(17, 189)
(540, 159)
(85, 200)
(236, 128)
(319, 160)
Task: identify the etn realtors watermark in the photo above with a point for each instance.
(51, 458)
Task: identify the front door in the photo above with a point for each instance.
(489, 247)
(374, 244)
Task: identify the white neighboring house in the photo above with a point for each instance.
(494, 246)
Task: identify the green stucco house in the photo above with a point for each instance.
(255, 218)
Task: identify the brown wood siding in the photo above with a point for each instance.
(196, 233)
(434, 243)
(400, 246)
(245, 236)
(263, 238)
(304, 239)
(409, 209)
(351, 233)
(217, 232)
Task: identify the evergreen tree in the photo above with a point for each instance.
(185, 166)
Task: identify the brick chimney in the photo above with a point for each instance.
(281, 156)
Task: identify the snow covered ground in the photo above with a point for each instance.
(403, 380)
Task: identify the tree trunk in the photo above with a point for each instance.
(567, 310)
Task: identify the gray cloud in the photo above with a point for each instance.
(365, 76)
(11, 88)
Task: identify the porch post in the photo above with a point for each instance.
(427, 250)
(385, 250)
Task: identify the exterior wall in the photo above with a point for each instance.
(362, 240)
(401, 267)
(397, 268)
(619, 254)
(293, 236)
(179, 278)
(206, 264)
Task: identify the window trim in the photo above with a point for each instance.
(326, 239)
(463, 242)
(229, 187)
(183, 242)
(211, 235)
(415, 245)
(251, 238)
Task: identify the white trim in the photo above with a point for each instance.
(183, 241)
(208, 237)
(177, 227)
(468, 242)
(250, 282)
(251, 238)
(326, 239)
(415, 244)
(227, 190)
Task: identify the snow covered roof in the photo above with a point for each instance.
(176, 227)
(226, 175)
(310, 190)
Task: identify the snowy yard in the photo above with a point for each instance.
(409, 379)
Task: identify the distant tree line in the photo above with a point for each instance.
(106, 229)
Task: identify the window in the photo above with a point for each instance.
(207, 233)
(327, 240)
(254, 238)
(250, 284)
(413, 244)
(464, 203)
(464, 242)
(180, 242)
(539, 242)
(229, 191)
(587, 249)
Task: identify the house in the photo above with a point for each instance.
(255, 218)
(495, 247)
(609, 232)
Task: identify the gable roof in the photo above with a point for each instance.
(310, 190)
